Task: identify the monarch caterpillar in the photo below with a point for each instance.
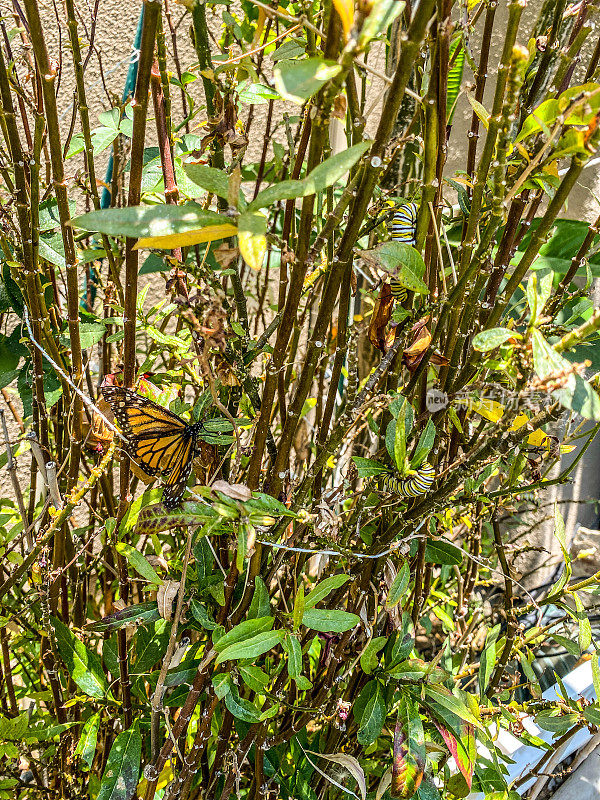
(412, 486)
(398, 291)
(404, 224)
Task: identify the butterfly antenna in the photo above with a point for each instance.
(89, 403)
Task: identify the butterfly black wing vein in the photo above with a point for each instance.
(158, 440)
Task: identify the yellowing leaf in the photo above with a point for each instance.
(252, 240)
(209, 233)
(253, 248)
(345, 8)
(488, 409)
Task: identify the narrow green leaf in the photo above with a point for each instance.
(400, 440)
(299, 608)
(294, 653)
(251, 648)
(123, 766)
(399, 586)
(86, 746)
(439, 551)
(453, 704)
(151, 644)
(323, 175)
(585, 626)
(368, 468)
(240, 707)
(138, 562)
(260, 605)
(324, 588)
(245, 630)
(381, 16)
(426, 441)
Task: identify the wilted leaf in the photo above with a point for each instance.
(351, 764)
(462, 749)
(382, 313)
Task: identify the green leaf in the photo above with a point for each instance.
(323, 175)
(86, 746)
(450, 702)
(215, 181)
(251, 648)
(576, 394)
(260, 605)
(123, 766)
(90, 332)
(256, 94)
(329, 620)
(132, 615)
(367, 468)
(539, 289)
(148, 221)
(540, 119)
(138, 562)
(554, 723)
(241, 708)
(585, 627)
(488, 659)
(381, 16)
(596, 674)
(201, 615)
(592, 714)
(439, 551)
(292, 647)
(245, 630)
(426, 441)
(298, 80)
(334, 168)
(325, 588)
(84, 666)
(400, 440)
(369, 659)
(479, 110)
(373, 715)
(401, 260)
(254, 677)
(399, 586)
(493, 338)
(151, 644)
(455, 75)
(299, 607)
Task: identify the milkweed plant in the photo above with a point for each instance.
(367, 359)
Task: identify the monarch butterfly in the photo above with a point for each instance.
(412, 486)
(159, 441)
(404, 224)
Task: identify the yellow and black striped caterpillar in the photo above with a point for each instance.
(404, 224)
(411, 486)
(398, 291)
